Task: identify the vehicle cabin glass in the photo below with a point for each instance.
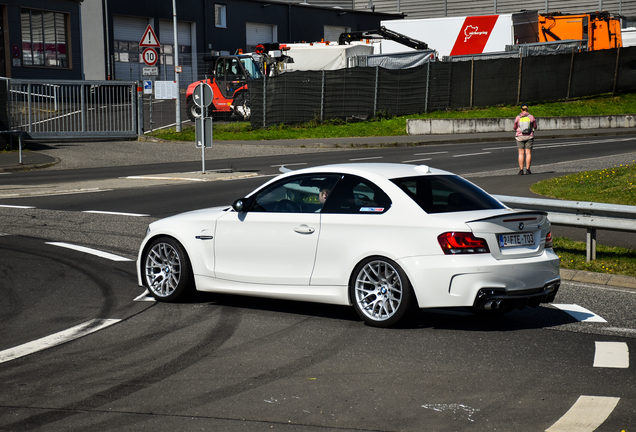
(446, 193)
(326, 193)
(251, 67)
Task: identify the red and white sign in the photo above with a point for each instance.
(149, 39)
(150, 56)
(455, 35)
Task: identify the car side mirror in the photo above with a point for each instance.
(242, 205)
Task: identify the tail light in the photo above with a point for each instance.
(462, 243)
(548, 240)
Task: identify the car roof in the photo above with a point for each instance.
(386, 170)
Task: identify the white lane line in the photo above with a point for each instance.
(611, 355)
(17, 206)
(580, 313)
(95, 252)
(56, 339)
(286, 165)
(565, 144)
(367, 158)
(428, 154)
(145, 297)
(587, 414)
(116, 213)
(471, 154)
(417, 160)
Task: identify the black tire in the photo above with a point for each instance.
(241, 105)
(167, 272)
(381, 292)
(194, 112)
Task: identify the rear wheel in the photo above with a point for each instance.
(167, 269)
(381, 292)
(194, 112)
(241, 105)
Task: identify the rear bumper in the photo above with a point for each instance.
(500, 299)
(473, 280)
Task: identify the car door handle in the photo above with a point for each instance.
(304, 229)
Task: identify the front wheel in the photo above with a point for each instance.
(381, 292)
(241, 106)
(194, 112)
(166, 268)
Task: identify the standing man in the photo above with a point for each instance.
(524, 126)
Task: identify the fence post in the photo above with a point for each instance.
(618, 52)
(591, 245)
(375, 92)
(570, 76)
(472, 80)
(83, 106)
(29, 116)
(264, 100)
(322, 97)
(428, 80)
(519, 84)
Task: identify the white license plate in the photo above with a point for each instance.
(511, 240)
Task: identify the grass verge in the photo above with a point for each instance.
(385, 125)
(615, 185)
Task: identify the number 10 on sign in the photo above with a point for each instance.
(150, 56)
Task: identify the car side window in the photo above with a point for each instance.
(299, 194)
(355, 195)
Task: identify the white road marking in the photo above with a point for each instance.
(17, 206)
(95, 252)
(565, 144)
(459, 410)
(417, 160)
(587, 414)
(471, 154)
(166, 178)
(432, 153)
(116, 213)
(611, 355)
(286, 165)
(366, 158)
(145, 297)
(580, 313)
(56, 339)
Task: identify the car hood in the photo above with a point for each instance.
(209, 214)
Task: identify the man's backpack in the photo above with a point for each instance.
(525, 125)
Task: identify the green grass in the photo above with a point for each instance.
(615, 185)
(612, 260)
(395, 126)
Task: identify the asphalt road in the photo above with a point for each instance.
(226, 363)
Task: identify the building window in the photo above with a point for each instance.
(219, 16)
(44, 38)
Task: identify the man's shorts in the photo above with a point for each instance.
(524, 142)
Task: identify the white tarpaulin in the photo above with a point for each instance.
(324, 57)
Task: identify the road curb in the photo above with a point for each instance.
(598, 278)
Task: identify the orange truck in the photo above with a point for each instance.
(600, 29)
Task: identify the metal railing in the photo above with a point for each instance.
(73, 109)
(580, 214)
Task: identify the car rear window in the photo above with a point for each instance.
(446, 193)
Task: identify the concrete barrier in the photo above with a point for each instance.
(473, 125)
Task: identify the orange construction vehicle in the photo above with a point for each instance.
(600, 29)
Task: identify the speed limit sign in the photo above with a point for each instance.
(150, 56)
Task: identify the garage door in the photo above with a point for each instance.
(260, 33)
(127, 32)
(187, 54)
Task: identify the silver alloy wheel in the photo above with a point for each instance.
(378, 290)
(163, 269)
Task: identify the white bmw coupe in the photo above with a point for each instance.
(385, 238)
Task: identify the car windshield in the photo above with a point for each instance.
(446, 193)
(251, 67)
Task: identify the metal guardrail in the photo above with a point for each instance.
(56, 109)
(580, 214)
